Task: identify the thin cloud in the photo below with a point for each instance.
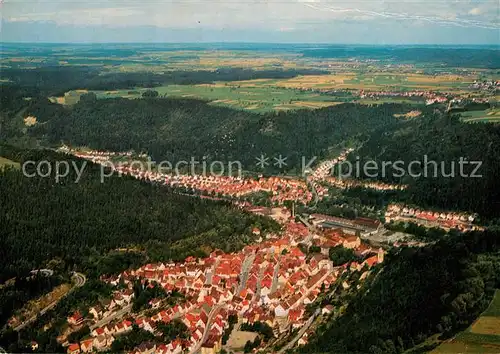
(458, 22)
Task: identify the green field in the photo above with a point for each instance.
(255, 99)
(7, 162)
(483, 336)
(486, 116)
(251, 97)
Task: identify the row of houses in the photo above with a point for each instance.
(446, 220)
(280, 189)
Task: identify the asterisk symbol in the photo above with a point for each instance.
(262, 161)
(280, 161)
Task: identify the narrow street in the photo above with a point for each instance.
(211, 316)
(108, 319)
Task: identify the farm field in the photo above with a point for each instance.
(483, 336)
(486, 116)
(256, 99)
(262, 95)
(372, 81)
(7, 162)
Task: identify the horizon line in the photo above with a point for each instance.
(263, 43)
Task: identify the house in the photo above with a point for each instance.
(123, 327)
(352, 241)
(87, 345)
(128, 295)
(34, 345)
(75, 319)
(281, 310)
(118, 299)
(328, 309)
(155, 303)
(109, 329)
(96, 311)
(73, 348)
(99, 331)
(149, 326)
(370, 262)
(175, 347)
(294, 317)
(302, 340)
(100, 342)
(212, 345)
(296, 252)
(162, 349)
(145, 348)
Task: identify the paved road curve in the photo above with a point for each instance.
(301, 332)
(79, 279)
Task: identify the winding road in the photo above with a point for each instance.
(79, 279)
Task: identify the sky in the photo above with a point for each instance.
(279, 21)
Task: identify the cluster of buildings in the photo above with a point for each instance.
(271, 282)
(353, 183)
(429, 95)
(98, 156)
(280, 189)
(358, 226)
(428, 218)
(324, 169)
(485, 85)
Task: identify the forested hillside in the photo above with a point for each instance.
(439, 288)
(178, 129)
(56, 80)
(445, 140)
(79, 223)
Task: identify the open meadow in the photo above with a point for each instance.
(6, 163)
(483, 336)
(489, 116)
(255, 99)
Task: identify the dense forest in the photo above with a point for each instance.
(438, 142)
(56, 80)
(178, 129)
(79, 223)
(440, 288)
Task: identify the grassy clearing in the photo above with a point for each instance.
(494, 307)
(238, 339)
(7, 162)
(459, 346)
(483, 336)
(253, 98)
(487, 325)
(35, 306)
(264, 95)
(376, 81)
(486, 116)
